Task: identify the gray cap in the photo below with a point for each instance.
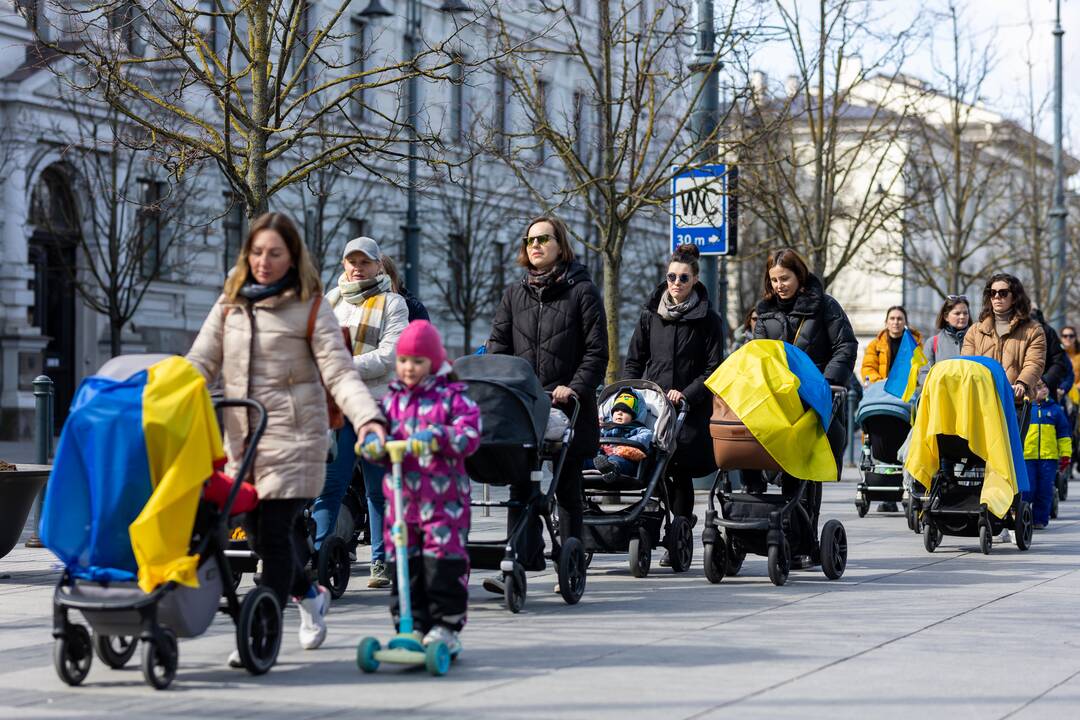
(362, 245)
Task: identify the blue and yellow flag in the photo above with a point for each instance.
(129, 468)
(971, 397)
(904, 373)
(784, 401)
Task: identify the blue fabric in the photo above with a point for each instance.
(99, 482)
(376, 503)
(813, 387)
(634, 432)
(904, 373)
(1008, 406)
(1042, 474)
(338, 476)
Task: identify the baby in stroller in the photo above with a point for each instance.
(624, 426)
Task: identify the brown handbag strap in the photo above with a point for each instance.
(313, 316)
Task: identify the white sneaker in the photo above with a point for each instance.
(443, 634)
(1005, 537)
(234, 659)
(312, 619)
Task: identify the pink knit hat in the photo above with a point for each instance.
(421, 339)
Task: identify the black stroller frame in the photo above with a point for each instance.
(159, 617)
(728, 540)
(952, 504)
(636, 528)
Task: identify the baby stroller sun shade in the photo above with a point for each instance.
(513, 405)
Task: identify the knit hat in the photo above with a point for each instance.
(421, 339)
(627, 401)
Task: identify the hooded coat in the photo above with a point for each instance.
(816, 324)
(561, 329)
(680, 355)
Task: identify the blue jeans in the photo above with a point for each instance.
(339, 473)
(625, 466)
(376, 503)
(1041, 477)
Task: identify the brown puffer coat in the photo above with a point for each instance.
(1021, 351)
(261, 352)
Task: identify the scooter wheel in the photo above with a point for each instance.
(437, 659)
(72, 655)
(365, 654)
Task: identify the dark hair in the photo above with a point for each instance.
(947, 308)
(1021, 301)
(562, 238)
(897, 307)
(310, 285)
(748, 321)
(785, 258)
(1076, 341)
(687, 254)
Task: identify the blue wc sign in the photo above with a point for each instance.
(703, 209)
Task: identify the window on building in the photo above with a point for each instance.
(579, 124)
(33, 11)
(502, 109)
(541, 118)
(456, 255)
(149, 226)
(124, 22)
(458, 118)
(358, 227)
(358, 50)
(234, 222)
(300, 49)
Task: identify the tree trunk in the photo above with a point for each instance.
(116, 329)
(612, 303)
(255, 177)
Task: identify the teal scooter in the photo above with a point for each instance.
(405, 648)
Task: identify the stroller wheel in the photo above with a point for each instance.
(114, 650)
(334, 567)
(1024, 526)
(640, 553)
(160, 657)
(931, 537)
(72, 654)
(736, 555)
(572, 571)
(1054, 505)
(515, 589)
(833, 550)
(985, 541)
(779, 562)
(862, 505)
(681, 544)
(1063, 485)
(715, 558)
(258, 630)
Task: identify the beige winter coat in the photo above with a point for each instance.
(1021, 351)
(261, 352)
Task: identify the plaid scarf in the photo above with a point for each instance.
(365, 327)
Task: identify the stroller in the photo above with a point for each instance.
(168, 582)
(777, 525)
(636, 528)
(968, 467)
(885, 421)
(515, 444)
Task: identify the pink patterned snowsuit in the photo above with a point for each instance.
(436, 497)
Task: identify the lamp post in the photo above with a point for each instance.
(1058, 212)
(411, 228)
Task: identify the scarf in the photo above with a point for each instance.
(956, 335)
(542, 278)
(668, 309)
(370, 295)
(254, 292)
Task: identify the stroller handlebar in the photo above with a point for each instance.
(249, 450)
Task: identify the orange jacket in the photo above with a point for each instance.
(876, 360)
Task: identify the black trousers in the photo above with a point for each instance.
(438, 592)
(276, 534)
(569, 496)
(680, 488)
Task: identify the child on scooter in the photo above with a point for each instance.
(427, 408)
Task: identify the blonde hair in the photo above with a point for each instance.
(310, 285)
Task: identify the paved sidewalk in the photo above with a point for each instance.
(904, 634)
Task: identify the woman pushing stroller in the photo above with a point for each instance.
(271, 339)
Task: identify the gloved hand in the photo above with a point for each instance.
(371, 447)
(1063, 463)
(422, 445)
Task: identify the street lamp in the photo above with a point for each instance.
(1058, 212)
(411, 228)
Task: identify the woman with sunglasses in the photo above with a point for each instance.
(677, 344)
(554, 318)
(1007, 333)
(953, 321)
(1072, 349)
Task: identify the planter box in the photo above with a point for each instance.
(18, 488)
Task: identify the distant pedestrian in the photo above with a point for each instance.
(881, 351)
(1072, 349)
(746, 330)
(953, 321)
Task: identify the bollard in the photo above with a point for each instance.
(43, 433)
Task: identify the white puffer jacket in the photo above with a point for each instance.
(377, 367)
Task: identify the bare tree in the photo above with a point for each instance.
(823, 171)
(627, 129)
(244, 84)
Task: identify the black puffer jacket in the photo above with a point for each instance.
(562, 331)
(1057, 371)
(680, 355)
(816, 324)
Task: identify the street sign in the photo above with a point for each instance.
(703, 209)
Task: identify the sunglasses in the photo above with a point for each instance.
(681, 277)
(957, 298)
(1067, 336)
(1000, 293)
(537, 240)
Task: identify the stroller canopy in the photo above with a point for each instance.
(658, 414)
(513, 405)
(876, 402)
(784, 401)
(133, 455)
(970, 397)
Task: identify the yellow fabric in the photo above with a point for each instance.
(182, 443)
(757, 385)
(959, 398)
